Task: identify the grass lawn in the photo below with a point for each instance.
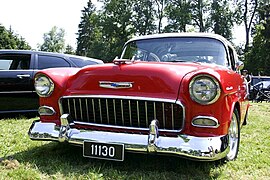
(22, 158)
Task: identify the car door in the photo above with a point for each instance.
(239, 79)
(16, 83)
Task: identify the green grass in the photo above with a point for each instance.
(22, 158)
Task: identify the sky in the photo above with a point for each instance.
(32, 18)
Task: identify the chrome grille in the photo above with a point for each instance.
(133, 113)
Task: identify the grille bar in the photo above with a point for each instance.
(131, 113)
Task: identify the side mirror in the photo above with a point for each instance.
(239, 65)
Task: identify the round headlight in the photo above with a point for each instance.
(44, 86)
(204, 89)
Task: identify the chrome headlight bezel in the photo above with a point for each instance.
(44, 86)
(208, 93)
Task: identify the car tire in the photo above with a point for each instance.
(234, 136)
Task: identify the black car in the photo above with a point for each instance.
(260, 91)
(17, 69)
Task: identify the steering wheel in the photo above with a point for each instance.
(153, 57)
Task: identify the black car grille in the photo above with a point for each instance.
(124, 112)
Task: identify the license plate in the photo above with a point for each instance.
(99, 150)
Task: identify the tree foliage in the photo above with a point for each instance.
(10, 40)
(143, 20)
(247, 9)
(258, 57)
(179, 15)
(102, 33)
(53, 40)
(222, 18)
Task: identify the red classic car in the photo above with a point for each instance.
(175, 94)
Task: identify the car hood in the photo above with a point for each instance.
(140, 79)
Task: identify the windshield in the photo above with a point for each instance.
(205, 50)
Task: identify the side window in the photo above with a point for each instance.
(51, 62)
(15, 62)
(232, 59)
(82, 62)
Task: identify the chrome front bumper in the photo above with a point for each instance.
(197, 148)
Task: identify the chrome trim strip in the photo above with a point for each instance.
(68, 107)
(107, 112)
(229, 88)
(122, 112)
(123, 97)
(80, 102)
(146, 117)
(197, 148)
(93, 107)
(121, 127)
(163, 112)
(87, 110)
(17, 92)
(138, 113)
(172, 116)
(75, 111)
(129, 109)
(155, 111)
(115, 121)
(100, 111)
(205, 117)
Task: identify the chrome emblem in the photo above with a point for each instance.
(115, 85)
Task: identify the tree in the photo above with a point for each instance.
(160, 5)
(248, 10)
(144, 17)
(179, 15)
(69, 50)
(258, 58)
(222, 18)
(53, 40)
(102, 34)
(199, 15)
(87, 33)
(10, 40)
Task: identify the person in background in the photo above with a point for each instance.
(248, 79)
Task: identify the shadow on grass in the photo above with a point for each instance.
(26, 115)
(62, 158)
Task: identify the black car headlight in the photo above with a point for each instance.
(204, 89)
(44, 85)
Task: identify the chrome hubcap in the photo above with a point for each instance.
(233, 137)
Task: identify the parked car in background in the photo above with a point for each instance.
(260, 91)
(260, 88)
(17, 70)
(174, 94)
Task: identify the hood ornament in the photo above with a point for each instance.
(118, 61)
(115, 85)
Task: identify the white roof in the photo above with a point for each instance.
(166, 35)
